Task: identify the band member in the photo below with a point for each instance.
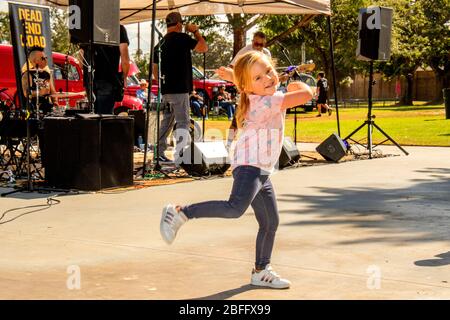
(176, 77)
(261, 117)
(108, 82)
(258, 44)
(40, 79)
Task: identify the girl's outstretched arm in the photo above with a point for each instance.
(225, 73)
(298, 93)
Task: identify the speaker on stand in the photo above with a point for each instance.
(374, 40)
(374, 43)
(93, 22)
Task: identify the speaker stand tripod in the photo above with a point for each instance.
(370, 122)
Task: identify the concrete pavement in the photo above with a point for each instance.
(371, 229)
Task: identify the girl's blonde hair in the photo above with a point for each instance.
(243, 79)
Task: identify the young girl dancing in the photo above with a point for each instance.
(260, 118)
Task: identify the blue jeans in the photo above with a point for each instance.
(229, 108)
(250, 187)
(197, 108)
(104, 97)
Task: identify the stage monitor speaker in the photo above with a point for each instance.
(289, 153)
(94, 22)
(88, 154)
(374, 40)
(203, 158)
(333, 148)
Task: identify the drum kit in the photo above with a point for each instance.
(13, 131)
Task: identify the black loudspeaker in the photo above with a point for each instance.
(289, 153)
(88, 154)
(333, 148)
(203, 158)
(374, 41)
(94, 21)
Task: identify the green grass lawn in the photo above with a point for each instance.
(418, 125)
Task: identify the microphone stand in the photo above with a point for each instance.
(37, 81)
(286, 54)
(157, 166)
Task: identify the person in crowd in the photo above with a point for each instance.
(196, 101)
(322, 94)
(260, 116)
(176, 77)
(142, 92)
(225, 102)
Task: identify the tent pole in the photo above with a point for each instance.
(330, 33)
(149, 94)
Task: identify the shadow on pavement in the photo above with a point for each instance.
(444, 260)
(422, 209)
(231, 293)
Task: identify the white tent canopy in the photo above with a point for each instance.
(141, 10)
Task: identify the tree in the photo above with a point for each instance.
(236, 24)
(60, 31)
(437, 32)
(142, 62)
(4, 28)
(407, 44)
(219, 52)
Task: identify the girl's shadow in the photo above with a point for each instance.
(444, 259)
(230, 293)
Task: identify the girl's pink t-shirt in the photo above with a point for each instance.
(261, 137)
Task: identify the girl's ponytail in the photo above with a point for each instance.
(244, 104)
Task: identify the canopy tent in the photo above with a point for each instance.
(132, 11)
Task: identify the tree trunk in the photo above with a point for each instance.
(407, 98)
(239, 40)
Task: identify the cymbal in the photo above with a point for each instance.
(67, 94)
(306, 67)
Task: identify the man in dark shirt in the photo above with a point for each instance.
(107, 79)
(322, 94)
(176, 77)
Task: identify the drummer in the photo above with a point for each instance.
(37, 63)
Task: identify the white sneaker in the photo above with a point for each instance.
(171, 221)
(269, 278)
